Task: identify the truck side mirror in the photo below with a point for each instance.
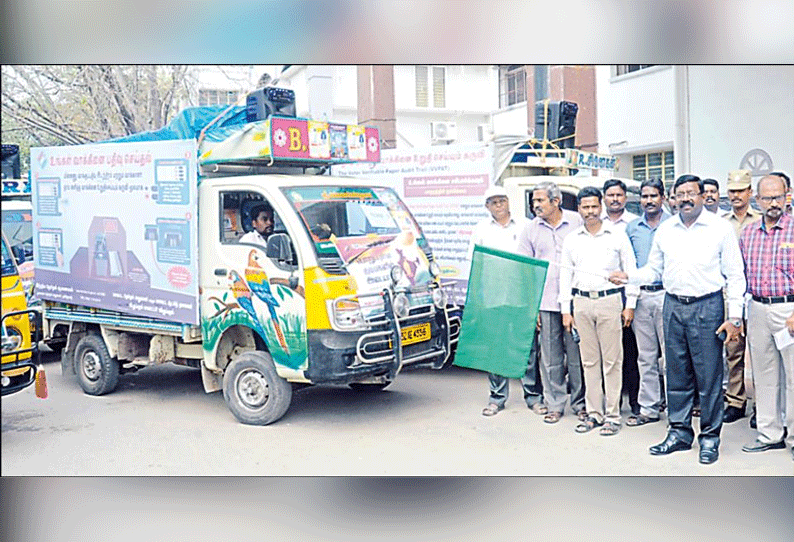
(279, 248)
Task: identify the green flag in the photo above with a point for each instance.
(502, 303)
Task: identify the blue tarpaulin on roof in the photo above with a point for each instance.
(189, 123)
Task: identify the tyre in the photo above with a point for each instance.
(254, 392)
(369, 387)
(97, 372)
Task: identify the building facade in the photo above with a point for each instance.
(664, 121)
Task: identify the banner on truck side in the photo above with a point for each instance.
(115, 227)
(443, 186)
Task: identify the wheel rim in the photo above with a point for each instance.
(252, 388)
(92, 367)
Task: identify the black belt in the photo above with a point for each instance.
(651, 287)
(596, 295)
(774, 299)
(687, 299)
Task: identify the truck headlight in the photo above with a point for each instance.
(439, 298)
(401, 305)
(346, 314)
(435, 269)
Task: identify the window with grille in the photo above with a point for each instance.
(430, 86)
(217, 97)
(654, 164)
(512, 85)
(623, 69)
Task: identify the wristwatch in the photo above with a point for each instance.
(736, 322)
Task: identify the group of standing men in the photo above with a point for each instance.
(681, 284)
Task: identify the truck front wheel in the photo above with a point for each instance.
(97, 372)
(255, 393)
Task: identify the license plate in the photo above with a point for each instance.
(415, 334)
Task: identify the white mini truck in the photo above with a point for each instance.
(140, 260)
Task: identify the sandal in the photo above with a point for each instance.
(588, 425)
(540, 409)
(582, 415)
(642, 419)
(609, 429)
(552, 417)
(491, 410)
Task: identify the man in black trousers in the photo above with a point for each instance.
(696, 255)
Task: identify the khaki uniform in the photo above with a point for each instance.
(735, 394)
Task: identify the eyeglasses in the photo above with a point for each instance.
(690, 194)
(496, 201)
(769, 199)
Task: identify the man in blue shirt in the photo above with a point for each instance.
(647, 324)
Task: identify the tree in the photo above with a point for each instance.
(67, 105)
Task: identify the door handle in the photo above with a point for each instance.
(220, 272)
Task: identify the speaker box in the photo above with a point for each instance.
(10, 165)
(264, 102)
(557, 123)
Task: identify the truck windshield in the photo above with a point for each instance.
(350, 211)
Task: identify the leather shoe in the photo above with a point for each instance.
(759, 446)
(732, 414)
(709, 453)
(671, 444)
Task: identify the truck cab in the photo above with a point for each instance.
(344, 291)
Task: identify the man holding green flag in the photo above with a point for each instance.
(502, 301)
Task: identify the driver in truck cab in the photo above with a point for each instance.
(262, 222)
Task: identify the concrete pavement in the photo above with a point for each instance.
(160, 422)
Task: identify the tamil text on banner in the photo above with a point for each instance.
(115, 227)
(502, 303)
(443, 186)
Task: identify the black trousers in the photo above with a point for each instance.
(694, 365)
(631, 372)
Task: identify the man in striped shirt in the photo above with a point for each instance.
(768, 251)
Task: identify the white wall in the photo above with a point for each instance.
(511, 120)
(734, 109)
(636, 113)
(731, 110)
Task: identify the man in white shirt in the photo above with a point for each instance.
(589, 254)
(500, 231)
(262, 222)
(695, 254)
(615, 196)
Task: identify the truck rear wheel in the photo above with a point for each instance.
(97, 372)
(255, 393)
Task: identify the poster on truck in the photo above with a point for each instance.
(115, 227)
(443, 186)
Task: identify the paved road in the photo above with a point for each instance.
(160, 422)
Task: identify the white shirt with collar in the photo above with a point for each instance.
(489, 233)
(593, 255)
(253, 237)
(696, 260)
(621, 222)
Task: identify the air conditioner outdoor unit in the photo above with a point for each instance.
(443, 131)
(483, 132)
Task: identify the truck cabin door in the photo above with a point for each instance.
(253, 277)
